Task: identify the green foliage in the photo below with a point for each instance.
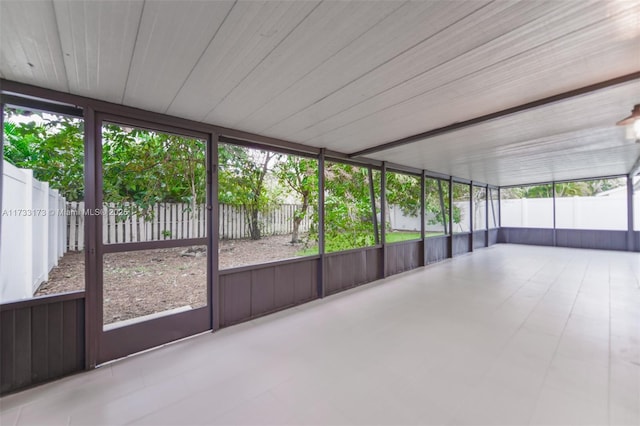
(300, 176)
(403, 191)
(584, 188)
(348, 212)
(242, 182)
(52, 146)
(143, 167)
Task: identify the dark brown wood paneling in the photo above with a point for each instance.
(285, 287)
(55, 337)
(461, 244)
(305, 276)
(374, 260)
(573, 238)
(23, 353)
(351, 268)
(252, 291)
(637, 242)
(403, 256)
(42, 339)
(119, 342)
(7, 351)
(592, 239)
(479, 239)
(236, 297)
(437, 248)
(493, 236)
(530, 236)
(262, 291)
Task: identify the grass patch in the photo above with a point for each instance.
(394, 237)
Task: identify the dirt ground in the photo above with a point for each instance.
(143, 282)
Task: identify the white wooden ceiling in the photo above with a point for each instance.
(348, 75)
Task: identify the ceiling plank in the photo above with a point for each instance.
(30, 48)
(248, 35)
(552, 61)
(98, 38)
(499, 114)
(171, 38)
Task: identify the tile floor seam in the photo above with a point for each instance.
(609, 358)
(486, 372)
(553, 357)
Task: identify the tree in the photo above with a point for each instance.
(242, 182)
(300, 175)
(52, 146)
(142, 168)
(348, 207)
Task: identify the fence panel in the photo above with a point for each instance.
(32, 230)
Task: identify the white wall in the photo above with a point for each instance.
(398, 221)
(33, 235)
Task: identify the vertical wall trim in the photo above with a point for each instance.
(451, 216)
(471, 213)
(93, 260)
(215, 304)
(423, 212)
(555, 234)
(499, 209)
(1, 162)
(630, 213)
(374, 216)
(486, 216)
(321, 287)
(383, 216)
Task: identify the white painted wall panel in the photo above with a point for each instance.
(171, 39)
(30, 49)
(98, 38)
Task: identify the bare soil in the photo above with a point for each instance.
(144, 282)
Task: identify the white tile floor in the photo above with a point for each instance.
(507, 335)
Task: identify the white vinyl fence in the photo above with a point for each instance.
(605, 212)
(33, 233)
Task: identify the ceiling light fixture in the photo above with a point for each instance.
(633, 124)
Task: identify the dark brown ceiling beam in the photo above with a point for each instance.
(36, 94)
(499, 114)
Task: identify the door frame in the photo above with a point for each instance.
(128, 339)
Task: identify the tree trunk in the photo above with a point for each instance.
(254, 226)
(296, 227)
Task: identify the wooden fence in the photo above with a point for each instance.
(168, 221)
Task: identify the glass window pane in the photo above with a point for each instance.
(592, 204)
(154, 189)
(436, 207)
(494, 208)
(42, 235)
(268, 206)
(154, 186)
(479, 208)
(140, 285)
(461, 207)
(349, 219)
(403, 207)
(527, 206)
(636, 203)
